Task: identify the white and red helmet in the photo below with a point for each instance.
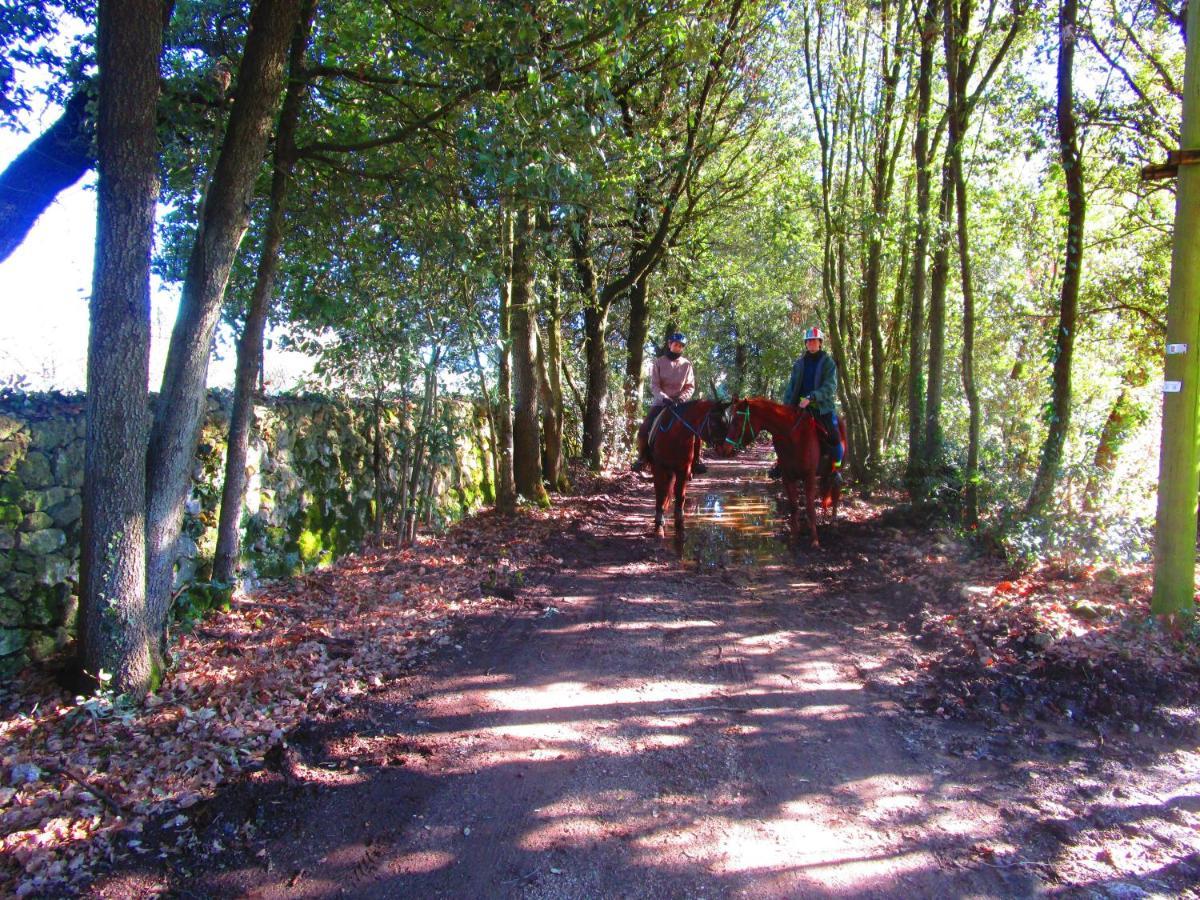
(814, 334)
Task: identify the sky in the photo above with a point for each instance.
(44, 289)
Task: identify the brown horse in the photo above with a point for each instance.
(797, 435)
(673, 440)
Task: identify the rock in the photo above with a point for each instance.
(54, 496)
(42, 542)
(12, 640)
(11, 488)
(55, 569)
(8, 540)
(10, 515)
(68, 465)
(29, 501)
(36, 521)
(34, 470)
(47, 605)
(53, 433)
(19, 585)
(42, 646)
(24, 773)
(12, 611)
(68, 512)
(12, 664)
(8, 427)
(971, 592)
(1086, 609)
(11, 453)
(186, 547)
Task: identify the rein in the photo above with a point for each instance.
(685, 423)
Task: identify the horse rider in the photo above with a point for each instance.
(814, 381)
(671, 381)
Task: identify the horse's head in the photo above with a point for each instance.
(716, 428)
(740, 431)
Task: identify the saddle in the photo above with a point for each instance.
(654, 426)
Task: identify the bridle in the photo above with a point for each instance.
(741, 443)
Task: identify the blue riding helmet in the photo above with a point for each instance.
(676, 336)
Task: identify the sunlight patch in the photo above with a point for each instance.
(568, 694)
(578, 831)
(420, 863)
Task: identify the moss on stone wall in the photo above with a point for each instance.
(310, 499)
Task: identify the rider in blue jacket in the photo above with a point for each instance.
(814, 381)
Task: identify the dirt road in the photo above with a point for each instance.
(646, 722)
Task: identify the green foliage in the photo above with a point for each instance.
(1076, 541)
(197, 599)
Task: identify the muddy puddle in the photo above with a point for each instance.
(726, 530)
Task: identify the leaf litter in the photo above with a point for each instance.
(83, 777)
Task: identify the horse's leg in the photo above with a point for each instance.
(835, 494)
(662, 487)
(681, 482)
(793, 500)
(810, 505)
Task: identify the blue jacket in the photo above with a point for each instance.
(824, 395)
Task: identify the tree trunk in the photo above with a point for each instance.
(1059, 414)
(595, 324)
(956, 77)
(916, 316)
(1175, 529)
(378, 470)
(506, 490)
(1117, 427)
(115, 634)
(51, 164)
(638, 332)
(527, 444)
(639, 318)
(550, 378)
(250, 344)
(180, 408)
(939, 273)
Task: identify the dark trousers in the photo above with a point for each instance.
(833, 437)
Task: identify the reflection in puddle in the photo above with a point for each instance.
(726, 530)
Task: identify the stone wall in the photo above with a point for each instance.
(311, 498)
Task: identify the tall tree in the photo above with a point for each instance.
(1058, 414)
(250, 344)
(116, 636)
(1179, 464)
(916, 323)
(527, 444)
(224, 217)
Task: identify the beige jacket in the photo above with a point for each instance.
(671, 379)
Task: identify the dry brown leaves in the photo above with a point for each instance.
(77, 771)
(1076, 646)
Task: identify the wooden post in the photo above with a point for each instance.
(1179, 464)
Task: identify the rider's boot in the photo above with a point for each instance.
(639, 464)
(698, 466)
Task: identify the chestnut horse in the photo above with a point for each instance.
(673, 440)
(798, 438)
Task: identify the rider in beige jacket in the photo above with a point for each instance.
(671, 381)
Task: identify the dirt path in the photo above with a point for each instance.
(646, 724)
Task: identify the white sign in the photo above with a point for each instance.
(1175, 349)
(1172, 387)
